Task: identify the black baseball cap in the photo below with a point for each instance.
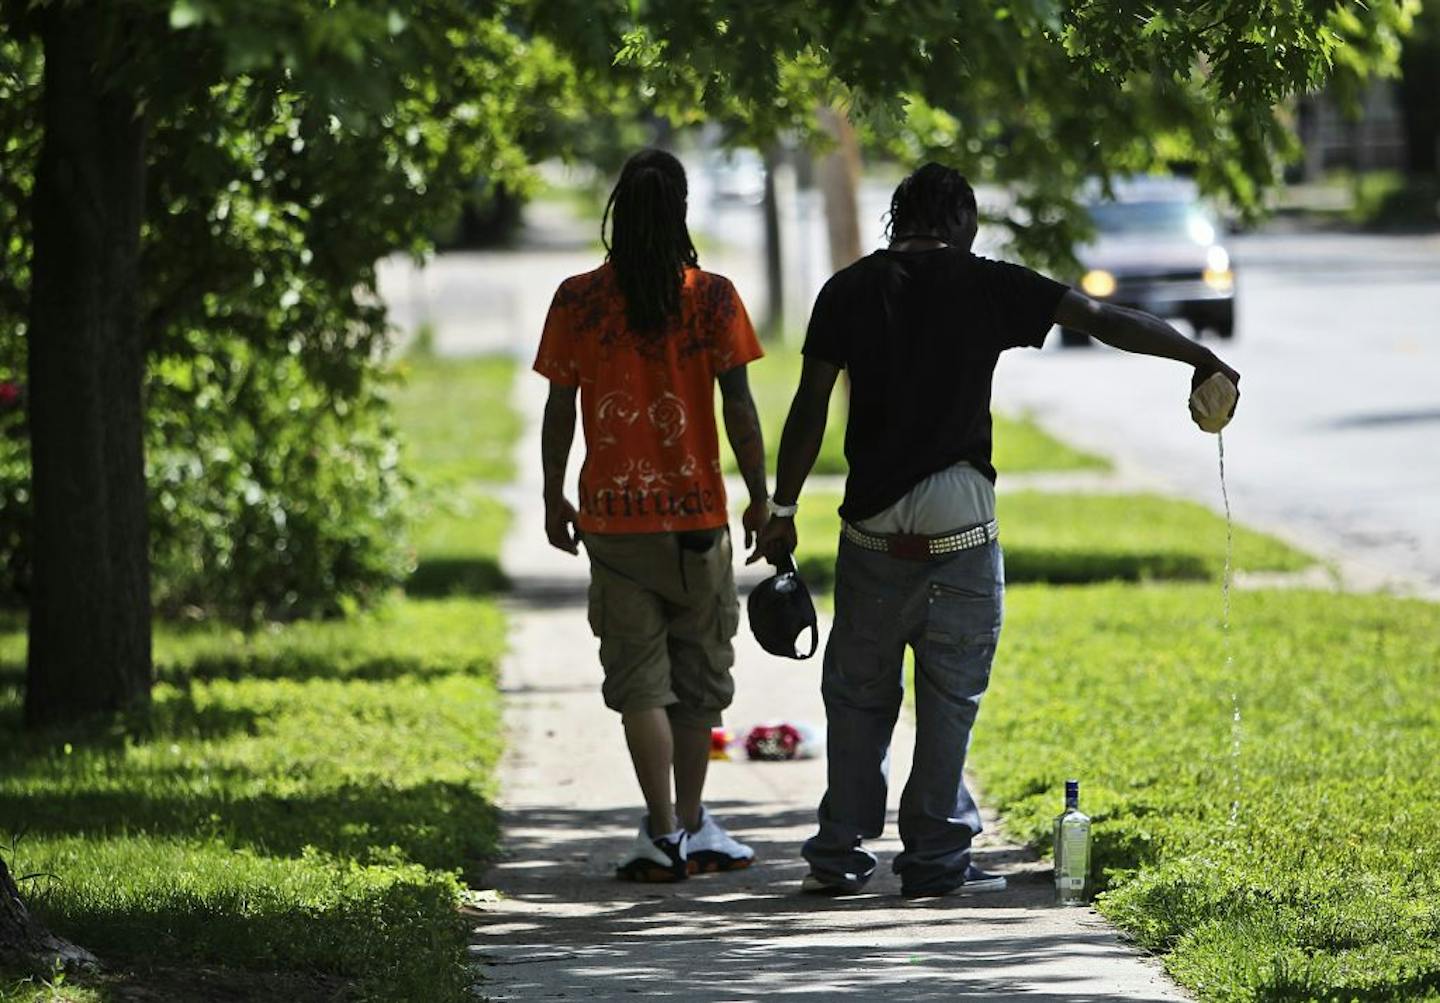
(781, 610)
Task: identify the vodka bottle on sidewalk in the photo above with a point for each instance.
(1072, 849)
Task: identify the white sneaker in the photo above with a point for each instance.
(654, 858)
(710, 848)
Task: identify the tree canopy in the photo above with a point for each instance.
(1035, 95)
(284, 146)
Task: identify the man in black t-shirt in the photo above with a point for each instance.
(919, 327)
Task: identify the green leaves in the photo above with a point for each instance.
(185, 14)
(295, 142)
(1033, 95)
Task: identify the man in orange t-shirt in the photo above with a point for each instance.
(644, 339)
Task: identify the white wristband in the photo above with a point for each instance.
(780, 511)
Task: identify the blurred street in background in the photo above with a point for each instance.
(1335, 444)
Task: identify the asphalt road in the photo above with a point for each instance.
(1336, 443)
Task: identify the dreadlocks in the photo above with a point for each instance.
(934, 199)
(649, 244)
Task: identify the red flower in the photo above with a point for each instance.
(9, 394)
(772, 741)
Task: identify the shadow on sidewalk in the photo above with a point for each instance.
(535, 592)
(563, 924)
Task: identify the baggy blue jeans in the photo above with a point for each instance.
(948, 610)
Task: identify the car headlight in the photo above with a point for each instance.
(1098, 282)
(1217, 274)
(1221, 282)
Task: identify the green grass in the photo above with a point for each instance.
(1073, 538)
(1021, 446)
(456, 418)
(1069, 538)
(773, 380)
(1327, 886)
(298, 799)
(303, 802)
(457, 544)
(460, 432)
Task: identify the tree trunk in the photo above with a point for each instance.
(24, 943)
(774, 323)
(1417, 91)
(90, 604)
(839, 186)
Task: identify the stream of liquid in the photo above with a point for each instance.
(1236, 729)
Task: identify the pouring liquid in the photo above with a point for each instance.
(1236, 723)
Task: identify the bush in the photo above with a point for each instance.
(270, 496)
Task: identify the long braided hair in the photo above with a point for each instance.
(648, 243)
(933, 199)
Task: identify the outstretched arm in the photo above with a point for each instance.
(1140, 332)
(742, 428)
(557, 431)
(799, 446)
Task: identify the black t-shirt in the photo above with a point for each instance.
(920, 333)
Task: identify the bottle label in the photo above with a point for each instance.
(1074, 855)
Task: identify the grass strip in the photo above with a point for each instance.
(456, 419)
(295, 816)
(1326, 886)
(303, 798)
(1074, 538)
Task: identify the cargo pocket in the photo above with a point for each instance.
(632, 647)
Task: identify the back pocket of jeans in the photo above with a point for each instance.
(961, 616)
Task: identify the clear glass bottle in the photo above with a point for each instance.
(1072, 849)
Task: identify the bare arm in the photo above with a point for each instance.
(742, 428)
(557, 431)
(1139, 332)
(804, 429)
(799, 446)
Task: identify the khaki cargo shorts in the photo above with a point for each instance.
(664, 608)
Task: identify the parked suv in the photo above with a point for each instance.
(1158, 248)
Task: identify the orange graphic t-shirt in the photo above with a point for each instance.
(652, 451)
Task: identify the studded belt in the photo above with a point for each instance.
(915, 547)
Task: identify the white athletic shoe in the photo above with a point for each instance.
(711, 848)
(655, 858)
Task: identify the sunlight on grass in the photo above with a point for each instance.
(305, 797)
(1326, 886)
(1023, 447)
(456, 419)
(288, 790)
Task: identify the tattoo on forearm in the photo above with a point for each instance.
(742, 426)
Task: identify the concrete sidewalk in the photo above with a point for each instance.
(558, 925)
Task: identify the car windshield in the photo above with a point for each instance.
(1170, 219)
